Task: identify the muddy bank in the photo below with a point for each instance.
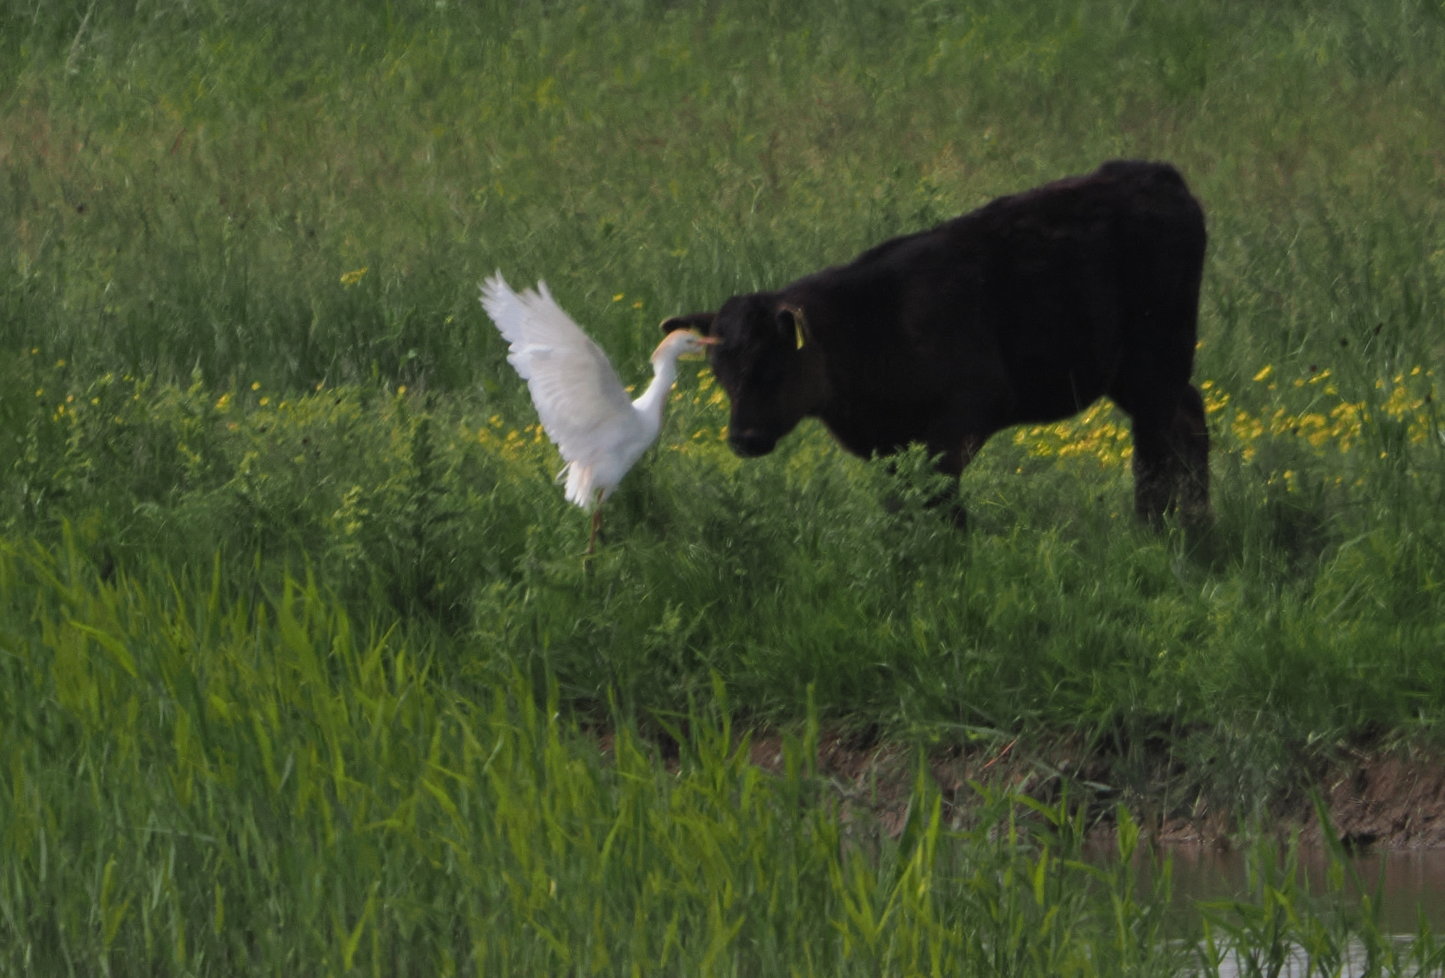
(1384, 800)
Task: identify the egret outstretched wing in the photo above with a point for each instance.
(578, 395)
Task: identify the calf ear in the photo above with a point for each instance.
(792, 322)
(700, 321)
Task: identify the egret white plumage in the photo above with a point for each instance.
(579, 398)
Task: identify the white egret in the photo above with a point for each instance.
(579, 398)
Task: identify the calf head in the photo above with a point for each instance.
(764, 360)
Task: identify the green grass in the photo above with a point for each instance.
(236, 786)
(299, 665)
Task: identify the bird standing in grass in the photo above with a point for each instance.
(579, 398)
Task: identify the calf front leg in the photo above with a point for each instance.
(952, 462)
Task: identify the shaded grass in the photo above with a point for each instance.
(1304, 618)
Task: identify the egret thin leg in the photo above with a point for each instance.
(596, 527)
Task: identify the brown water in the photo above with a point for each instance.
(1407, 888)
(1408, 885)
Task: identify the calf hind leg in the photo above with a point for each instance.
(1191, 435)
(1171, 462)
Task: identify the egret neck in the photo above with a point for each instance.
(650, 403)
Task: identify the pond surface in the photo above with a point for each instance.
(1409, 884)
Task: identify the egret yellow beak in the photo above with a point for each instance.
(705, 341)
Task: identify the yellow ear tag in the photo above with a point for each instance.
(797, 314)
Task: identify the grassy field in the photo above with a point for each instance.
(300, 670)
